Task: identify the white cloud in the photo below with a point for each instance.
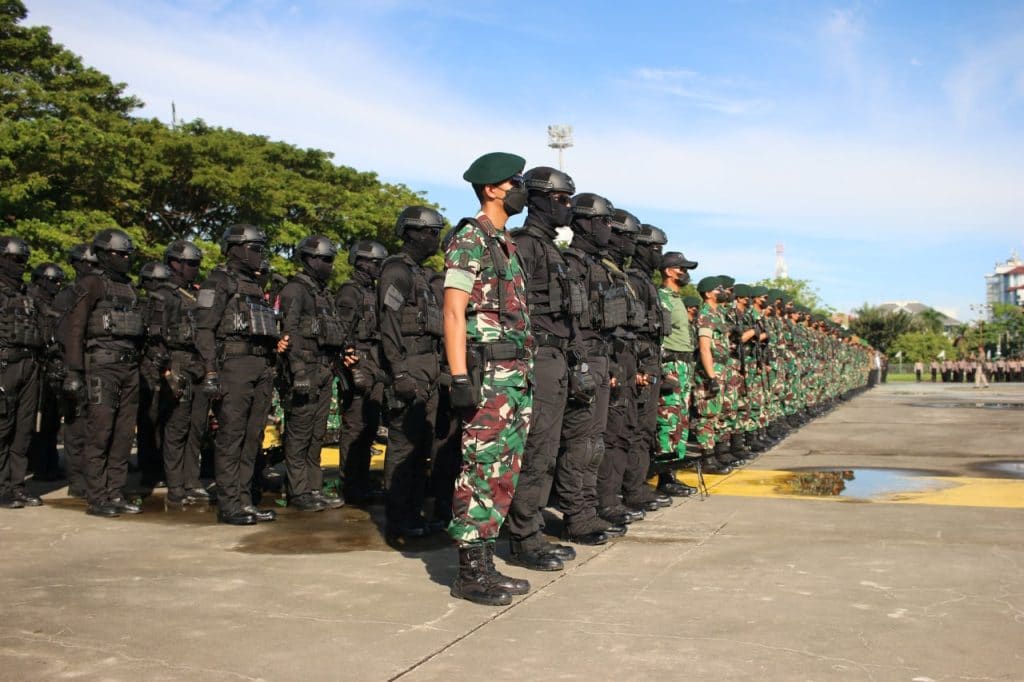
(701, 91)
(988, 81)
(841, 35)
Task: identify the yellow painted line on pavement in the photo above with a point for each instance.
(937, 490)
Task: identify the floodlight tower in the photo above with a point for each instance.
(781, 272)
(560, 138)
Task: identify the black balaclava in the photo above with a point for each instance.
(589, 235)
(114, 266)
(183, 272)
(318, 268)
(421, 243)
(49, 286)
(547, 214)
(367, 270)
(13, 268)
(621, 245)
(245, 258)
(647, 257)
(262, 274)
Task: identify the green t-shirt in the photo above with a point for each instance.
(680, 339)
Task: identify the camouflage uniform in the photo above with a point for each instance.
(711, 323)
(676, 368)
(481, 261)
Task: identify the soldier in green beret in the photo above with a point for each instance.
(713, 353)
(488, 342)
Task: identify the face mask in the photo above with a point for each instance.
(514, 201)
(370, 268)
(422, 244)
(683, 278)
(318, 268)
(724, 297)
(51, 287)
(250, 259)
(12, 268)
(114, 262)
(188, 273)
(601, 232)
(623, 244)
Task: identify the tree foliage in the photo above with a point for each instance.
(800, 291)
(922, 346)
(881, 327)
(74, 160)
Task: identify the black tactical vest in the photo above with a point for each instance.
(421, 312)
(323, 325)
(608, 297)
(366, 329)
(21, 321)
(658, 321)
(180, 333)
(116, 316)
(552, 290)
(247, 313)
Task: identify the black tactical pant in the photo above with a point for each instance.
(550, 389)
(147, 435)
(42, 451)
(621, 429)
(582, 435)
(109, 427)
(445, 457)
(410, 441)
(248, 385)
(360, 419)
(646, 438)
(75, 428)
(305, 424)
(184, 422)
(20, 383)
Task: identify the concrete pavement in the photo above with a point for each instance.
(778, 586)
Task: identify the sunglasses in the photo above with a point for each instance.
(326, 259)
(190, 262)
(19, 258)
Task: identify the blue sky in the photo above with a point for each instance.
(880, 142)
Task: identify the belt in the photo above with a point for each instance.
(237, 349)
(677, 355)
(501, 350)
(15, 354)
(551, 341)
(103, 356)
(596, 346)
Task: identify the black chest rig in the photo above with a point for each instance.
(247, 313)
(366, 327)
(421, 312)
(610, 300)
(552, 290)
(322, 325)
(658, 322)
(21, 321)
(116, 316)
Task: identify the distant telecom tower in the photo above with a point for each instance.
(780, 262)
(560, 138)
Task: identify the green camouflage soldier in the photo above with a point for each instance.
(731, 450)
(677, 370)
(487, 341)
(713, 348)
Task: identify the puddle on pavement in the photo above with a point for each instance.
(1003, 469)
(972, 405)
(853, 483)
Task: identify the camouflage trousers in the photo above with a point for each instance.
(493, 438)
(733, 397)
(756, 414)
(709, 411)
(674, 410)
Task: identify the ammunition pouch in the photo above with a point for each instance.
(102, 393)
(112, 323)
(20, 330)
(615, 308)
(582, 386)
(327, 332)
(105, 356)
(255, 319)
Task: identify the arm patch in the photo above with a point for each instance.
(206, 298)
(393, 298)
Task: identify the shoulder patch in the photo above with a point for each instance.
(206, 298)
(393, 298)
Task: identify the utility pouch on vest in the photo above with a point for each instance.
(615, 308)
(117, 323)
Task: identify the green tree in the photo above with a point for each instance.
(800, 290)
(921, 346)
(881, 327)
(929, 320)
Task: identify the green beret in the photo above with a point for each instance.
(743, 291)
(774, 294)
(493, 168)
(707, 284)
(691, 301)
(726, 281)
(758, 291)
(782, 297)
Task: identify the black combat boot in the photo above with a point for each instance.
(474, 583)
(668, 485)
(534, 556)
(507, 583)
(586, 532)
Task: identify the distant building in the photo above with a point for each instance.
(1006, 284)
(949, 324)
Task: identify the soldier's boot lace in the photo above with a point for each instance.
(507, 583)
(474, 583)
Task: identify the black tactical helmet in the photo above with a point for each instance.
(316, 245)
(182, 250)
(418, 217)
(591, 205)
(82, 253)
(367, 248)
(14, 246)
(625, 222)
(649, 234)
(50, 271)
(548, 180)
(112, 239)
(155, 270)
(241, 234)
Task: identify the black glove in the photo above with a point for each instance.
(406, 388)
(211, 385)
(582, 386)
(362, 379)
(74, 387)
(714, 388)
(176, 382)
(462, 394)
(301, 384)
(669, 385)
